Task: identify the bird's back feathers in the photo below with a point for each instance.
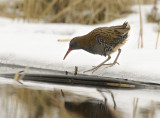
(105, 40)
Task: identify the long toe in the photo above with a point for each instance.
(101, 64)
(89, 70)
(111, 64)
(93, 69)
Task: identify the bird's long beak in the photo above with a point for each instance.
(69, 50)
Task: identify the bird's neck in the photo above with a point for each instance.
(83, 41)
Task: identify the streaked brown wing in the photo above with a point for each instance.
(110, 36)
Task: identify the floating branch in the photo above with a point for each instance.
(64, 40)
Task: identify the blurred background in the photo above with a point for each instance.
(68, 11)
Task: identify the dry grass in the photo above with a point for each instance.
(64, 40)
(158, 36)
(24, 102)
(152, 109)
(140, 39)
(21, 102)
(67, 11)
(152, 16)
(135, 106)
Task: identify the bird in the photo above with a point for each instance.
(102, 41)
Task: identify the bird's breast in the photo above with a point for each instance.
(101, 49)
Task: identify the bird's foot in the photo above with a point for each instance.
(96, 67)
(93, 69)
(111, 64)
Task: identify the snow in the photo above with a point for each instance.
(36, 45)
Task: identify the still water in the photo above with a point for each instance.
(30, 100)
(17, 101)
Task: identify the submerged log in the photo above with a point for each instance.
(86, 81)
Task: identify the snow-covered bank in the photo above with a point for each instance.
(36, 45)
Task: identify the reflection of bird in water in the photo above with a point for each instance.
(91, 109)
(103, 41)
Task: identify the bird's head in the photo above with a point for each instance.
(73, 45)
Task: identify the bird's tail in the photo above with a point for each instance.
(126, 25)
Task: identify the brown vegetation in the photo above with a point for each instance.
(20, 102)
(67, 11)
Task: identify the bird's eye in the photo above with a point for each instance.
(73, 44)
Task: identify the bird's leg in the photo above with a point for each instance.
(115, 61)
(96, 67)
